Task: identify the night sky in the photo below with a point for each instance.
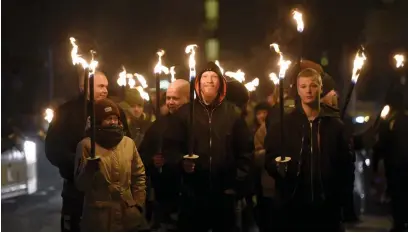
(129, 32)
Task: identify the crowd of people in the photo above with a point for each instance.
(246, 176)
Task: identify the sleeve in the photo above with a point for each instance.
(242, 150)
(148, 145)
(83, 174)
(57, 148)
(175, 138)
(273, 149)
(138, 179)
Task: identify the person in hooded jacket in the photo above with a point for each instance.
(311, 185)
(64, 133)
(211, 183)
(114, 182)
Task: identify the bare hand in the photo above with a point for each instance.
(188, 165)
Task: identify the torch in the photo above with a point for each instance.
(121, 81)
(238, 75)
(219, 66)
(358, 65)
(190, 49)
(158, 69)
(172, 73)
(251, 86)
(298, 17)
(90, 71)
(283, 67)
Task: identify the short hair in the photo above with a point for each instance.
(311, 73)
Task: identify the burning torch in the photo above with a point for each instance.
(158, 69)
(190, 49)
(239, 75)
(298, 17)
(173, 74)
(358, 65)
(90, 72)
(283, 67)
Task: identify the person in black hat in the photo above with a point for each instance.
(212, 182)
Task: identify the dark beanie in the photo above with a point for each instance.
(133, 98)
(237, 93)
(211, 66)
(105, 108)
(328, 84)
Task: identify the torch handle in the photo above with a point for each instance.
(347, 101)
(191, 119)
(86, 95)
(281, 114)
(157, 96)
(92, 113)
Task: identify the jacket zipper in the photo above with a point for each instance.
(210, 141)
(311, 159)
(319, 161)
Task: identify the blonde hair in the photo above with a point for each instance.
(311, 73)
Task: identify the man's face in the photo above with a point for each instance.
(261, 116)
(174, 99)
(209, 84)
(100, 87)
(309, 90)
(111, 120)
(331, 99)
(137, 110)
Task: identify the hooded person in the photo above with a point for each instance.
(221, 140)
(312, 185)
(114, 182)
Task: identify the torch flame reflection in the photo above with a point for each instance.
(399, 59)
(298, 17)
(358, 65)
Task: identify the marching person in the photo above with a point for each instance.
(114, 181)
(165, 178)
(66, 130)
(312, 183)
(211, 183)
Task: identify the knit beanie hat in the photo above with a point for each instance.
(105, 108)
(237, 93)
(133, 98)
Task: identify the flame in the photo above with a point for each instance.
(385, 111)
(190, 49)
(77, 59)
(358, 65)
(49, 115)
(219, 65)
(251, 86)
(131, 82)
(283, 64)
(122, 78)
(298, 17)
(239, 75)
(140, 78)
(399, 59)
(173, 73)
(160, 68)
(143, 94)
(274, 78)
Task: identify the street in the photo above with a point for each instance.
(41, 211)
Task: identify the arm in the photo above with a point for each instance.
(138, 179)
(57, 148)
(175, 137)
(84, 172)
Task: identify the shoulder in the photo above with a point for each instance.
(127, 141)
(84, 143)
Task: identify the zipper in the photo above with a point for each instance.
(311, 159)
(319, 161)
(210, 140)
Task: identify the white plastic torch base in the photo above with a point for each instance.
(191, 157)
(285, 160)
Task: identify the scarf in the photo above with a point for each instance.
(109, 136)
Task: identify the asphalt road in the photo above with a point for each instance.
(41, 211)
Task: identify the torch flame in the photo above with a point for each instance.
(49, 115)
(283, 64)
(143, 94)
(298, 17)
(399, 59)
(274, 78)
(190, 49)
(77, 59)
(385, 111)
(131, 82)
(173, 73)
(239, 75)
(251, 86)
(358, 65)
(159, 68)
(122, 78)
(219, 65)
(140, 78)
